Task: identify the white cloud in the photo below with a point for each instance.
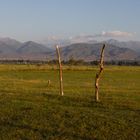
(104, 34)
(115, 34)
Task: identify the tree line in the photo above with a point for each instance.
(73, 61)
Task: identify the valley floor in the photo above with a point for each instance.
(30, 108)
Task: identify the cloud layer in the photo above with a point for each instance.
(114, 34)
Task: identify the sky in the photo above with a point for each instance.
(39, 19)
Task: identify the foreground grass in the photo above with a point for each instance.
(32, 109)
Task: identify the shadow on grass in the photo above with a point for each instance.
(44, 133)
(77, 101)
(87, 102)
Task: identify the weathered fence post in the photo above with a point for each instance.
(98, 75)
(49, 83)
(60, 70)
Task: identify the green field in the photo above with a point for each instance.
(30, 109)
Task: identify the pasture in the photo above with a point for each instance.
(30, 109)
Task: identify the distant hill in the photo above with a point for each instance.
(8, 45)
(12, 49)
(115, 50)
(10, 42)
(90, 52)
(134, 45)
(31, 47)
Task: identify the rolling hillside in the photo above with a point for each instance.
(12, 49)
(90, 52)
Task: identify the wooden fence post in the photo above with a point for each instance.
(60, 70)
(98, 75)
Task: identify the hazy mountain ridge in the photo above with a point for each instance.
(134, 45)
(90, 39)
(12, 49)
(115, 50)
(8, 45)
(31, 47)
(11, 42)
(89, 52)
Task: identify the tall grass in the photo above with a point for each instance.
(32, 109)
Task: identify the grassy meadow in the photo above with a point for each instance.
(30, 109)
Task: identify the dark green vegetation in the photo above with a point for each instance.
(32, 109)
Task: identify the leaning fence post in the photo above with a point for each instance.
(60, 71)
(98, 75)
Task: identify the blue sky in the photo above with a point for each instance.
(37, 19)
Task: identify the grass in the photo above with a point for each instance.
(32, 110)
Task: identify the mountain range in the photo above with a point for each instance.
(86, 50)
